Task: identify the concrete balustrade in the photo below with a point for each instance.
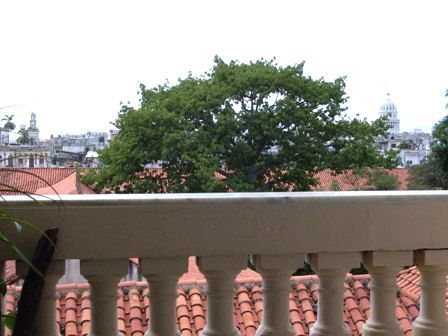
(331, 269)
(276, 271)
(162, 275)
(333, 230)
(103, 277)
(220, 273)
(46, 314)
(432, 320)
(383, 268)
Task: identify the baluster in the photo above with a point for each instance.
(45, 324)
(103, 277)
(433, 266)
(220, 273)
(331, 269)
(162, 275)
(276, 271)
(383, 268)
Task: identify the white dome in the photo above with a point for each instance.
(388, 106)
(389, 109)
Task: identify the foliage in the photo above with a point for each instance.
(8, 122)
(241, 127)
(427, 175)
(24, 137)
(440, 145)
(335, 185)
(6, 218)
(382, 180)
(433, 172)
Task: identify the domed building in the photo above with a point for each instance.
(389, 109)
(413, 146)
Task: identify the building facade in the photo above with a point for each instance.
(413, 146)
(24, 157)
(79, 143)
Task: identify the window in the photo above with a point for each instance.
(41, 160)
(393, 145)
(409, 163)
(20, 161)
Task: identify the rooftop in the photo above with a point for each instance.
(73, 304)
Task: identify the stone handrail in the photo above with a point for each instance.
(334, 232)
(178, 225)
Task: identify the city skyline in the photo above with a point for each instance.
(72, 64)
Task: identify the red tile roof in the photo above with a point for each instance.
(73, 305)
(10, 271)
(41, 181)
(348, 181)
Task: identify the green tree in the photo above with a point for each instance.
(427, 175)
(382, 180)
(240, 127)
(335, 185)
(24, 137)
(433, 172)
(8, 122)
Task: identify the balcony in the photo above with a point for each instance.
(333, 232)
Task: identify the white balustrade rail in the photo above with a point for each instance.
(334, 232)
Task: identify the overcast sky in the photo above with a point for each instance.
(72, 62)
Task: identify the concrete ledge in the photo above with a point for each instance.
(181, 225)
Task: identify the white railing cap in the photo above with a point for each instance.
(177, 225)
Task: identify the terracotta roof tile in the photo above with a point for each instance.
(348, 181)
(23, 179)
(42, 181)
(73, 307)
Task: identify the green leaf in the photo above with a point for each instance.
(14, 249)
(5, 217)
(10, 320)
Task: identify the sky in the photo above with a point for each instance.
(73, 62)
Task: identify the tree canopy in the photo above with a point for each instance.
(24, 137)
(240, 127)
(9, 125)
(433, 172)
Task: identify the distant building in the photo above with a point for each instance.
(414, 146)
(91, 160)
(388, 109)
(13, 156)
(4, 136)
(79, 143)
(33, 131)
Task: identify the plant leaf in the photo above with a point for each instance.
(10, 246)
(10, 320)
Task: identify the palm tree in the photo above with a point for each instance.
(8, 122)
(24, 137)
